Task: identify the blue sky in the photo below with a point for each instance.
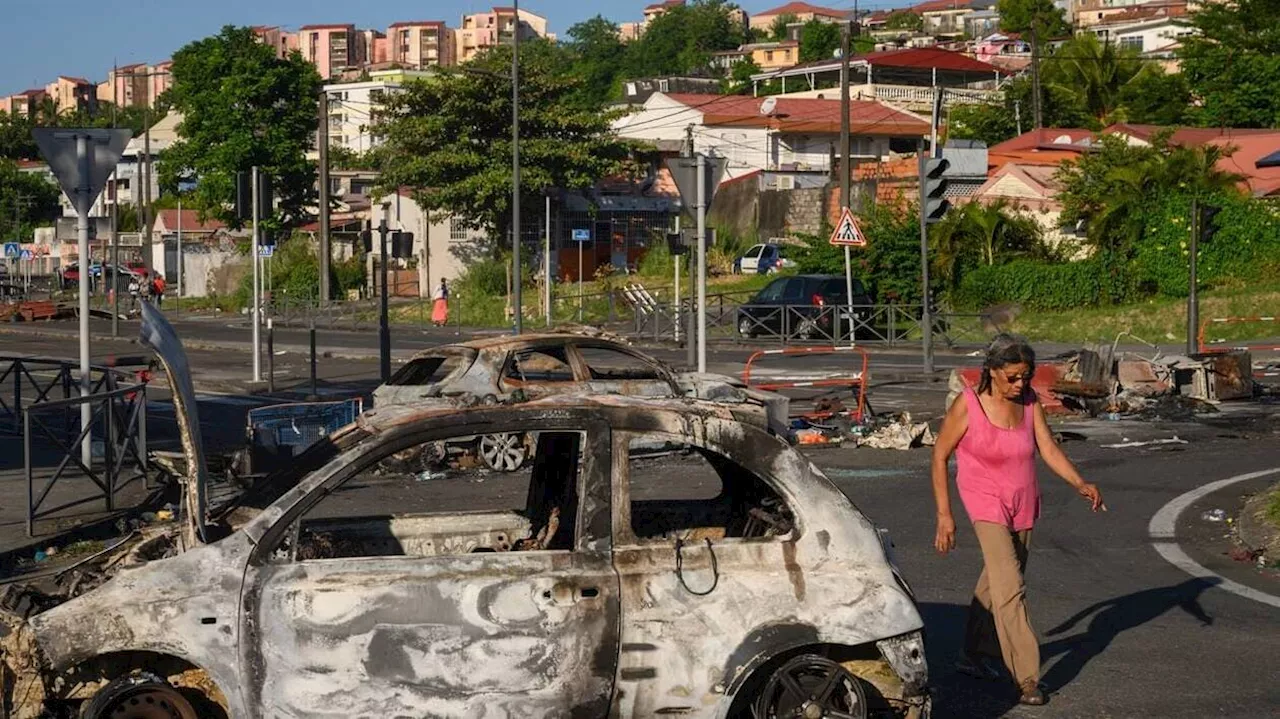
(81, 38)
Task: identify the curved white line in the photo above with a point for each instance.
(1163, 530)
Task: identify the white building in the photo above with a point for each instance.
(443, 246)
(1149, 35)
(353, 106)
(787, 135)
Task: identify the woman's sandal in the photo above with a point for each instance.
(1031, 694)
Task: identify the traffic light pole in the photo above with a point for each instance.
(384, 327)
(257, 285)
(926, 315)
(1193, 299)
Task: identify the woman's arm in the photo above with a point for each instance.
(954, 426)
(1058, 460)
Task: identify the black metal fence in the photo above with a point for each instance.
(44, 403)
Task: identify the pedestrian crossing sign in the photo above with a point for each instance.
(847, 232)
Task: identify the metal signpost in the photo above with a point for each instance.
(848, 234)
(82, 160)
(581, 237)
(697, 178)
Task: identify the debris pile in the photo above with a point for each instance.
(888, 431)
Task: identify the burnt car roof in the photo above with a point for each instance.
(509, 342)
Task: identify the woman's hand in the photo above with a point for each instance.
(1090, 492)
(945, 538)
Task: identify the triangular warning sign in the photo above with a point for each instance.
(847, 232)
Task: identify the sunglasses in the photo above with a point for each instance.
(1025, 377)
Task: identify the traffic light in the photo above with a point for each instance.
(934, 189)
(366, 237)
(1208, 222)
(676, 244)
(244, 195)
(402, 245)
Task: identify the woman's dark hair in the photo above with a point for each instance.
(1004, 350)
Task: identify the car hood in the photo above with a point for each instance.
(159, 336)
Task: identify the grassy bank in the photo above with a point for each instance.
(1161, 321)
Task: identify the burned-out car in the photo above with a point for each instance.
(588, 584)
(506, 369)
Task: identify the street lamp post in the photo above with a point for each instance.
(515, 166)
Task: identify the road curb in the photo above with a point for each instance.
(1163, 531)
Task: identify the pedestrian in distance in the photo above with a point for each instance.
(995, 432)
(134, 291)
(158, 287)
(440, 308)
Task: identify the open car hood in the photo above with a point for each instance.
(159, 336)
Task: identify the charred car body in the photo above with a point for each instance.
(581, 586)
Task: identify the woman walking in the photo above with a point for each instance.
(995, 432)
(440, 310)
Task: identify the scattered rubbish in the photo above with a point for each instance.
(815, 436)
(899, 433)
(1151, 442)
(428, 476)
(1244, 554)
(51, 551)
(1214, 515)
(149, 517)
(41, 555)
(1113, 416)
(164, 515)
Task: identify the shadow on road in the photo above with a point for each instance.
(1110, 618)
(959, 695)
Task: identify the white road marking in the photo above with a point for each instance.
(1163, 530)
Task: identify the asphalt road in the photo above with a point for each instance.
(1124, 633)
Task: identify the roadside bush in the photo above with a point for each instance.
(485, 278)
(1040, 286)
(656, 261)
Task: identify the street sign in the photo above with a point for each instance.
(28, 255)
(12, 250)
(59, 147)
(580, 235)
(684, 170)
(266, 250)
(847, 232)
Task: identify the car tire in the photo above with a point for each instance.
(141, 695)
(810, 685)
(746, 327)
(504, 452)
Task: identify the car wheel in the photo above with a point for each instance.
(811, 686)
(139, 696)
(746, 327)
(502, 452)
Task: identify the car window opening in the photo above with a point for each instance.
(425, 370)
(407, 503)
(716, 498)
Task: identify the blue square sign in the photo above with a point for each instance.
(581, 235)
(12, 250)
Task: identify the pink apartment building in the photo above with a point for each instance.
(72, 93)
(419, 45)
(23, 104)
(331, 48)
(482, 31)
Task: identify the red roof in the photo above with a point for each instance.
(1146, 12)
(664, 5)
(801, 8)
(328, 27)
(929, 57)
(866, 117)
(76, 80)
(940, 6)
(190, 221)
(1046, 138)
(1260, 181)
(416, 23)
(1184, 135)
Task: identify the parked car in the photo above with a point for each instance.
(805, 306)
(764, 259)
(516, 369)
(349, 586)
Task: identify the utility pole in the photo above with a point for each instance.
(1017, 115)
(546, 264)
(147, 257)
(703, 191)
(115, 204)
(1193, 300)
(515, 168)
(845, 170)
(326, 254)
(384, 327)
(257, 285)
(1035, 76)
(927, 311)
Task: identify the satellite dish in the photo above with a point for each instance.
(768, 106)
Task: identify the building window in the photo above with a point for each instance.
(457, 229)
(1133, 42)
(768, 57)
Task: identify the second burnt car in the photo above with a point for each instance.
(506, 369)
(591, 584)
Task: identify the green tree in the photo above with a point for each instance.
(819, 40)
(1157, 97)
(681, 40)
(1042, 17)
(997, 122)
(739, 80)
(242, 106)
(1095, 71)
(449, 138)
(778, 29)
(890, 264)
(26, 201)
(1233, 63)
(904, 20)
(16, 142)
(597, 57)
(976, 234)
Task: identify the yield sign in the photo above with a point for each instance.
(81, 179)
(847, 232)
(684, 170)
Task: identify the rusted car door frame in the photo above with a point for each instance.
(537, 388)
(720, 592)
(579, 588)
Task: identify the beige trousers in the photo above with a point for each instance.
(998, 622)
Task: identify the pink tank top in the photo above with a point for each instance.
(996, 470)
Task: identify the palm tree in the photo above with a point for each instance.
(1094, 71)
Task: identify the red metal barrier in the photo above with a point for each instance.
(1204, 346)
(853, 381)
